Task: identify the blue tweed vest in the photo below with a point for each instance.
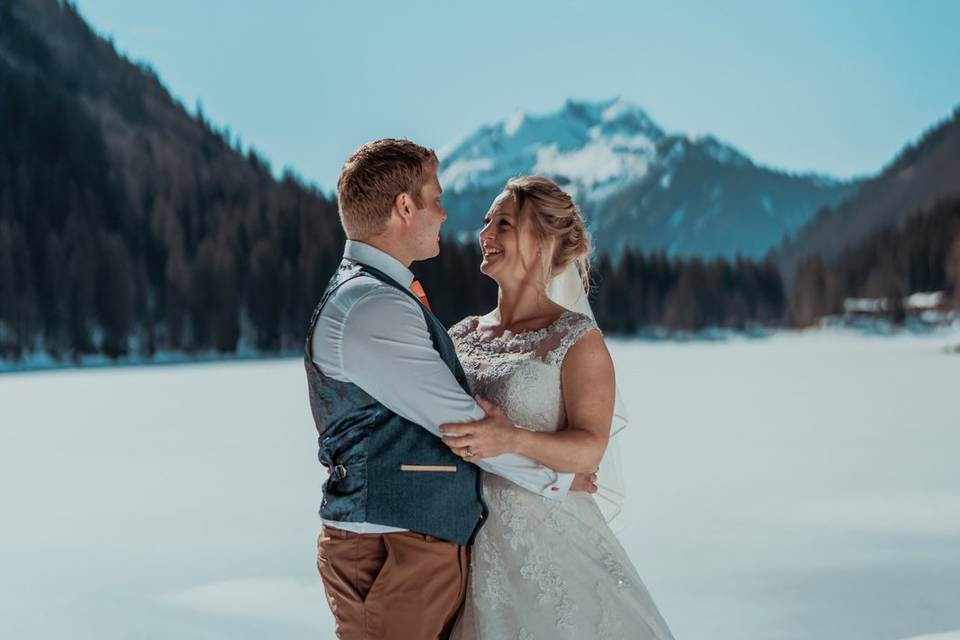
(383, 468)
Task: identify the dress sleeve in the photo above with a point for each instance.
(570, 329)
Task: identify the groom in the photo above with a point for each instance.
(399, 508)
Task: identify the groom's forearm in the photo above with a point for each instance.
(528, 474)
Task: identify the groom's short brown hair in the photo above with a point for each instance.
(373, 176)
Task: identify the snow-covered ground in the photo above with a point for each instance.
(802, 486)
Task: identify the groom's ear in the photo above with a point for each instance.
(403, 206)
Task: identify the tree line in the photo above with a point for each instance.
(651, 290)
(921, 254)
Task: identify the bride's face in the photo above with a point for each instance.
(509, 247)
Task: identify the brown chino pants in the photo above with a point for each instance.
(392, 586)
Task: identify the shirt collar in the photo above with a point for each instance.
(371, 256)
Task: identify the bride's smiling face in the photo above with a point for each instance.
(510, 249)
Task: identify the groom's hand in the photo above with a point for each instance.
(584, 482)
(484, 438)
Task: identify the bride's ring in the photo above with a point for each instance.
(468, 453)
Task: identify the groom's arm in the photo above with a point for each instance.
(386, 350)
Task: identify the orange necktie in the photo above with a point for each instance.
(418, 291)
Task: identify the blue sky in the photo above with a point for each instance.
(836, 87)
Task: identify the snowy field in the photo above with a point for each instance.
(802, 486)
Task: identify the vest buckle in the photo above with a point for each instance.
(340, 471)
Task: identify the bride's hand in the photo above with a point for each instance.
(490, 436)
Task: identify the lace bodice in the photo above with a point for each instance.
(520, 372)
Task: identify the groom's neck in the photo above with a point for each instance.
(391, 246)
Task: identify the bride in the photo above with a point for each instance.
(543, 568)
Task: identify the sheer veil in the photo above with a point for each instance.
(566, 289)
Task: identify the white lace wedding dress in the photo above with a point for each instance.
(541, 568)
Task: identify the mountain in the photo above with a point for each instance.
(639, 186)
(922, 174)
(129, 226)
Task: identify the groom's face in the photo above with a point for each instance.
(427, 219)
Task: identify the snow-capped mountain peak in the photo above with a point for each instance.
(585, 144)
(639, 185)
(512, 124)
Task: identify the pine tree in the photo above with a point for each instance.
(952, 269)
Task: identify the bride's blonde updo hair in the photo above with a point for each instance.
(556, 223)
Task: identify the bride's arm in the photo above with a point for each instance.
(587, 381)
